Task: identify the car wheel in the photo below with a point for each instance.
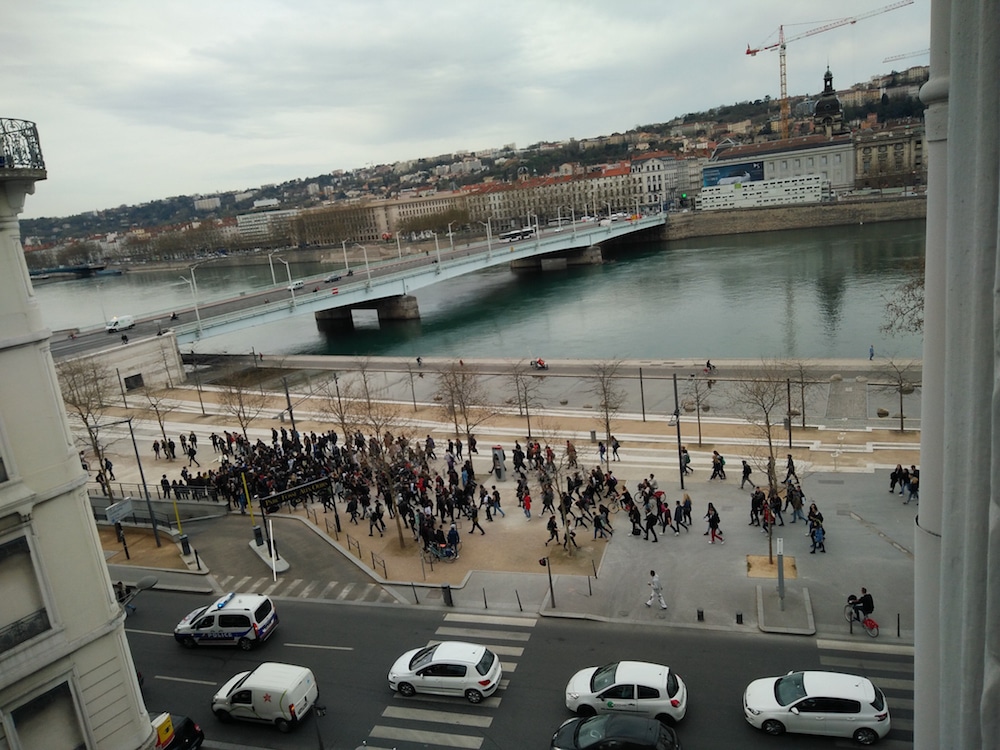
(223, 716)
(245, 644)
(773, 727)
(586, 711)
(406, 689)
(865, 736)
(473, 696)
(283, 726)
(666, 719)
(188, 642)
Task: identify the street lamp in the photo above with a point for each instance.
(142, 475)
(190, 282)
(288, 270)
(489, 237)
(274, 282)
(437, 250)
(368, 270)
(399, 248)
(343, 246)
(451, 235)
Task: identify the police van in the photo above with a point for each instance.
(242, 620)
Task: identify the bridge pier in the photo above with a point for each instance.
(403, 307)
(334, 318)
(585, 256)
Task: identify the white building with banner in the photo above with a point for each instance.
(760, 194)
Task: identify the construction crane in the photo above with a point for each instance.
(782, 41)
(905, 55)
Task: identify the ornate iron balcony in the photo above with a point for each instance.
(19, 146)
(23, 630)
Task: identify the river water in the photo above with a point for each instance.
(794, 294)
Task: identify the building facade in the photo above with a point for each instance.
(66, 674)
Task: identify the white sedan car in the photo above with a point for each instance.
(827, 703)
(631, 687)
(448, 668)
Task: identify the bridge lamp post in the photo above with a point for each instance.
(368, 270)
(194, 296)
(274, 281)
(399, 248)
(437, 250)
(288, 270)
(451, 235)
(343, 246)
(489, 237)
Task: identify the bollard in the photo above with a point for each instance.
(518, 600)
(415, 599)
(185, 545)
(701, 615)
(197, 559)
(739, 618)
(485, 605)
(258, 536)
(446, 593)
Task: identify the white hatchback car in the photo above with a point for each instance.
(447, 668)
(827, 703)
(630, 687)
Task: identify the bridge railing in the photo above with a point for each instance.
(19, 146)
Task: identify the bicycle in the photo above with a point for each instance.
(869, 624)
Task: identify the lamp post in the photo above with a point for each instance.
(451, 235)
(437, 250)
(142, 475)
(489, 238)
(274, 281)
(368, 270)
(343, 246)
(399, 248)
(194, 296)
(288, 270)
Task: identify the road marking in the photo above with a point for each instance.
(521, 622)
(270, 589)
(308, 589)
(440, 717)
(492, 702)
(147, 632)
(184, 679)
(223, 582)
(889, 683)
(291, 587)
(345, 591)
(873, 648)
(508, 666)
(868, 666)
(239, 584)
(257, 585)
(500, 635)
(431, 739)
(317, 645)
(329, 587)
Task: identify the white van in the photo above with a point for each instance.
(243, 620)
(273, 693)
(297, 284)
(119, 323)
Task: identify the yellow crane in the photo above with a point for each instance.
(782, 41)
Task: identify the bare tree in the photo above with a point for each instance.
(464, 398)
(339, 404)
(901, 379)
(87, 390)
(604, 386)
(759, 396)
(161, 407)
(803, 380)
(696, 393)
(240, 398)
(904, 310)
(528, 386)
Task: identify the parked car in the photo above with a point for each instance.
(447, 668)
(614, 732)
(174, 732)
(632, 687)
(826, 703)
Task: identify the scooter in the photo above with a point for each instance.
(539, 364)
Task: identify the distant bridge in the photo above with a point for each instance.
(387, 287)
(88, 269)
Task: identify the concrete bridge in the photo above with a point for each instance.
(387, 287)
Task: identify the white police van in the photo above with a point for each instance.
(235, 619)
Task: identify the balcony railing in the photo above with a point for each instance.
(19, 146)
(23, 630)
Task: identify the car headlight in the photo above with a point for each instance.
(572, 696)
(752, 710)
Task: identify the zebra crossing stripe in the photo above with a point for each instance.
(304, 593)
(291, 587)
(345, 591)
(431, 739)
(438, 717)
(520, 622)
(257, 585)
(270, 589)
(500, 635)
(223, 582)
(492, 702)
(329, 587)
(872, 648)
(240, 583)
(868, 666)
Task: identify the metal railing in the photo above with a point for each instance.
(23, 630)
(19, 146)
(127, 489)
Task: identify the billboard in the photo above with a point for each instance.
(732, 174)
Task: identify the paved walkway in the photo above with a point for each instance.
(731, 586)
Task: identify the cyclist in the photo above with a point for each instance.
(863, 606)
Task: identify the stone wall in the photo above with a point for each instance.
(156, 359)
(737, 221)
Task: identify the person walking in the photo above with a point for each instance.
(679, 519)
(747, 471)
(615, 445)
(553, 528)
(526, 504)
(192, 452)
(165, 484)
(110, 473)
(599, 527)
(713, 525)
(650, 524)
(602, 452)
(790, 469)
(156, 449)
(495, 498)
(871, 352)
(655, 590)
(474, 517)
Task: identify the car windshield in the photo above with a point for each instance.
(603, 677)
(486, 663)
(592, 731)
(423, 657)
(789, 688)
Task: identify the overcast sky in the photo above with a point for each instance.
(136, 101)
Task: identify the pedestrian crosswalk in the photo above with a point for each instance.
(300, 588)
(890, 667)
(438, 721)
